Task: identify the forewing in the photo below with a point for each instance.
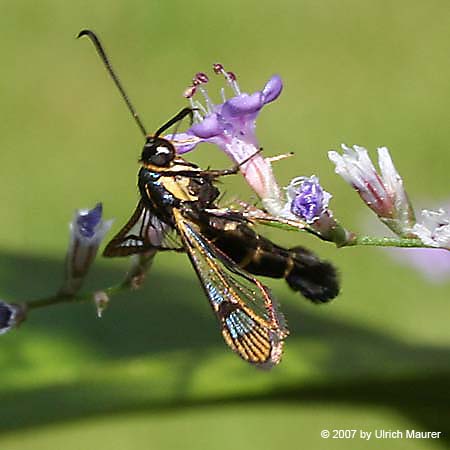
(143, 232)
(248, 314)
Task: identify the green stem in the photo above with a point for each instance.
(353, 240)
(387, 242)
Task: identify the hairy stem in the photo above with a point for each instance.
(78, 298)
(387, 242)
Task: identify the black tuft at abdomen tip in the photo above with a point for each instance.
(315, 279)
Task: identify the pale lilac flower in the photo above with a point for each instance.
(434, 229)
(383, 193)
(86, 233)
(230, 125)
(10, 316)
(432, 263)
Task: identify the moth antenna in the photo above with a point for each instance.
(175, 120)
(104, 57)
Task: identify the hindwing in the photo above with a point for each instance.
(143, 232)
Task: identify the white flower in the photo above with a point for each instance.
(434, 229)
(383, 193)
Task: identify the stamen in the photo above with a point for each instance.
(197, 116)
(200, 78)
(189, 92)
(209, 103)
(272, 159)
(197, 107)
(218, 68)
(232, 79)
(229, 76)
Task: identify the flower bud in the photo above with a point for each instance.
(383, 193)
(11, 315)
(86, 233)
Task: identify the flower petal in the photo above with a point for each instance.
(207, 128)
(391, 178)
(308, 200)
(242, 105)
(435, 229)
(88, 220)
(272, 89)
(184, 142)
(384, 194)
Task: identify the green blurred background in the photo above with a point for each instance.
(154, 372)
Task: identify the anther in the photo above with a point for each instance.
(218, 68)
(201, 77)
(231, 76)
(189, 92)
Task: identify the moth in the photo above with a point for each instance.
(178, 211)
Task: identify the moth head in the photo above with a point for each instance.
(157, 151)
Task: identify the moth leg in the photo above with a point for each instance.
(234, 170)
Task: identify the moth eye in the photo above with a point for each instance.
(158, 151)
(162, 156)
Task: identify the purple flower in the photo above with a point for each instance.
(86, 233)
(10, 316)
(231, 126)
(383, 193)
(87, 221)
(308, 200)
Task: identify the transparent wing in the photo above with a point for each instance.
(248, 314)
(143, 232)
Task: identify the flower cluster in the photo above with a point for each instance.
(231, 126)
